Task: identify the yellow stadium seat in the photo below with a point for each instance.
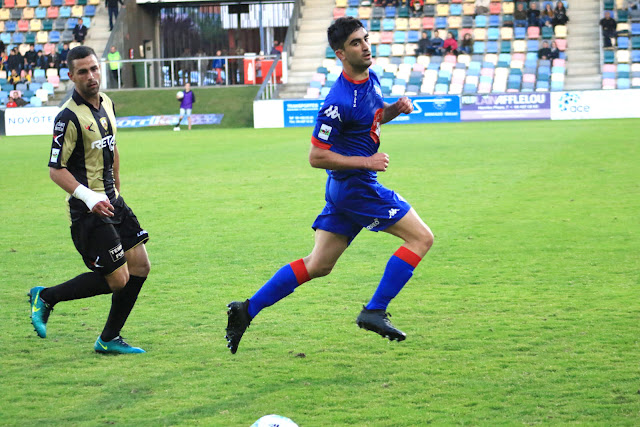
(480, 34)
(507, 8)
(506, 33)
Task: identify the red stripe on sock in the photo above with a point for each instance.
(300, 270)
(408, 256)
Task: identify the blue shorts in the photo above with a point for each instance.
(356, 203)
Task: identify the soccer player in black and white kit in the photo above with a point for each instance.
(84, 161)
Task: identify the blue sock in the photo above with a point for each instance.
(398, 272)
(283, 283)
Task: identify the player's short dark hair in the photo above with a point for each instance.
(79, 52)
(340, 30)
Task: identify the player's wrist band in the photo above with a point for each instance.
(89, 197)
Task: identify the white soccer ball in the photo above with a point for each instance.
(180, 95)
(274, 420)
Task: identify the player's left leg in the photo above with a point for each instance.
(417, 241)
(125, 295)
(189, 120)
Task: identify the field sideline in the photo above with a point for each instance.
(524, 312)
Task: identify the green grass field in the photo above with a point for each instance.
(524, 312)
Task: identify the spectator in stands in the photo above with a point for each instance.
(14, 61)
(3, 60)
(450, 44)
(520, 16)
(466, 46)
(16, 96)
(482, 7)
(80, 32)
(436, 43)
(114, 65)
(554, 51)
(424, 45)
(112, 6)
(609, 26)
(30, 58)
(41, 61)
(53, 60)
(14, 78)
(11, 103)
(276, 49)
(547, 15)
(63, 55)
(544, 52)
(218, 66)
(25, 77)
(2, 47)
(533, 15)
(560, 15)
(416, 7)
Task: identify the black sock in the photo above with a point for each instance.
(83, 286)
(179, 121)
(122, 303)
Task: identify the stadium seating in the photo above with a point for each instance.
(504, 58)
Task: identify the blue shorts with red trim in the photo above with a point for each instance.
(359, 202)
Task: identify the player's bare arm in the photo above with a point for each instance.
(66, 181)
(391, 111)
(326, 159)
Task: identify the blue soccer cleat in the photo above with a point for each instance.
(115, 346)
(40, 311)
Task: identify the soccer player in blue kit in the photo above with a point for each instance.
(345, 142)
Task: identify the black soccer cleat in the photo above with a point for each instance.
(378, 321)
(238, 321)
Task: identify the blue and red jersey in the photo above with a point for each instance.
(348, 122)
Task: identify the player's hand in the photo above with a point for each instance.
(103, 208)
(378, 162)
(404, 105)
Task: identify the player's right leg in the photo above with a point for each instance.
(326, 252)
(93, 243)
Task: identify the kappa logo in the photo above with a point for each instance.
(116, 252)
(393, 212)
(332, 112)
(88, 127)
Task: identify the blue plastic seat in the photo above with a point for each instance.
(494, 20)
(481, 21)
(390, 12)
(519, 32)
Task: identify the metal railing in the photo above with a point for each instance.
(173, 72)
(269, 87)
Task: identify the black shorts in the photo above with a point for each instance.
(102, 242)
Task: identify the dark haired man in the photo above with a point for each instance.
(85, 163)
(345, 142)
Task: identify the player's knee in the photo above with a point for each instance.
(118, 279)
(141, 269)
(424, 240)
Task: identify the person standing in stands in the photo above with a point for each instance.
(112, 6)
(609, 26)
(80, 31)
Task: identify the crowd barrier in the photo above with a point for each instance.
(568, 105)
(572, 105)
